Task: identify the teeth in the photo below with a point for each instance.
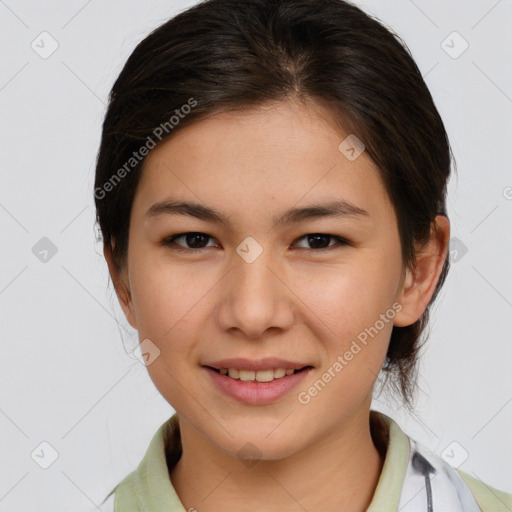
(259, 376)
(246, 374)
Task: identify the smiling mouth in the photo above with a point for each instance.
(259, 375)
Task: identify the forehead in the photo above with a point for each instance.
(283, 154)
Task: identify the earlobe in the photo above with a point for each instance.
(122, 290)
(420, 282)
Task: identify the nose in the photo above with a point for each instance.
(256, 298)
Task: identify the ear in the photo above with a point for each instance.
(122, 289)
(420, 282)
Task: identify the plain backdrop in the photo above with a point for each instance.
(71, 398)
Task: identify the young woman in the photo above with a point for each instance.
(270, 188)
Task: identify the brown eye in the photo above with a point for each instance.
(193, 240)
(319, 241)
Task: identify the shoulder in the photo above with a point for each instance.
(449, 488)
(148, 487)
(489, 499)
(422, 480)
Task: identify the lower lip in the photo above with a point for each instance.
(257, 392)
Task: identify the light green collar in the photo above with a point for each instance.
(149, 488)
(389, 487)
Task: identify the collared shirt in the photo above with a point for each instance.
(413, 479)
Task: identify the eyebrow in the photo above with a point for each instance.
(340, 208)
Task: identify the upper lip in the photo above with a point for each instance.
(266, 363)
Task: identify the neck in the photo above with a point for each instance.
(339, 472)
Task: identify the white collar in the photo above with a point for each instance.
(432, 485)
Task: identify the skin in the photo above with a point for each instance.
(294, 302)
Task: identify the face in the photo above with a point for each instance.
(303, 292)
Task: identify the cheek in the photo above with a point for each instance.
(167, 303)
(347, 302)
(344, 310)
(350, 297)
(167, 299)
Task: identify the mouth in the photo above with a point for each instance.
(265, 383)
(264, 375)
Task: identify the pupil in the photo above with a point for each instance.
(316, 237)
(193, 236)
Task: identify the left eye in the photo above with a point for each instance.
(321, 239)
(195, 241)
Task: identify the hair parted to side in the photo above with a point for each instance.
(227, 55)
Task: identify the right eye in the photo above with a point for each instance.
(193, 238)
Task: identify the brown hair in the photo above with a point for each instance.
(225, 55)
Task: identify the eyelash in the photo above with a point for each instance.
(170, 241)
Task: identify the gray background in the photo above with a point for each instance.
(65, 376)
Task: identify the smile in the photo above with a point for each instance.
(257, 376)
(253, 387)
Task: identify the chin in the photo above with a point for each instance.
(255, 443)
